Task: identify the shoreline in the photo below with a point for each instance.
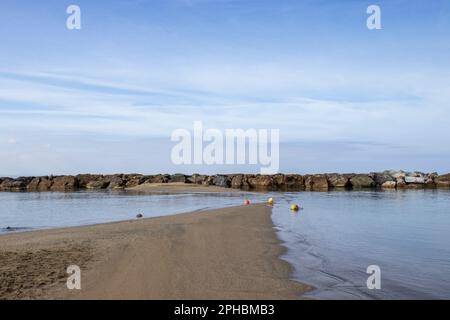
(229, 253)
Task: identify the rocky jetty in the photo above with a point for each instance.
(278, 182)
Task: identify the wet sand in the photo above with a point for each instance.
(230, 253)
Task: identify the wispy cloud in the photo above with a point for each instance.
(154, 66)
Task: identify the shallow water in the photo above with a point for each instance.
(44, 210)
(330, 242)
(339, 234)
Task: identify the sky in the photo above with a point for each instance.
(106, 98)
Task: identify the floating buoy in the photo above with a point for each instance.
(270, 201)
(140, 215)
(295, 207)
(247, 202)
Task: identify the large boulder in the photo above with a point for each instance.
(362, 181)
(134, 180)
(417, 180)
(443, 181)
(389, 185)
(5, 184)
(160, 178)
(9, 184)
(25, 180)
(260, 182)
(222, 181)
(209, 180)
(64, 183)
(381, 177)
(338, 181)
(294, 182)
(196, 178)
(416, 174)
(33, 185)
(317, 182)
(279, 181)
(396, 174)
(85, 179)
(401, 183)
(97, 184)
(429, 180)
(178, 177)
(18, 184)
(247, 181)
(237, 181)
(40, 184)
(116, 181)
(288, 182)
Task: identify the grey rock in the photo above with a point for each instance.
(222, 181)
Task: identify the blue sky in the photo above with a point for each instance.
(106, 98)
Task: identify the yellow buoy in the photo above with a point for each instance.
(295, 207)
(270, 201)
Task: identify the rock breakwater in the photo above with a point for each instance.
(278, 182)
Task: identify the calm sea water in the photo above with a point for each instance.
(339, 234)
(330, 243)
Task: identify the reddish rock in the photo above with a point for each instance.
(288, 182)
(64, 183)
(9, 184)
(338, 181)
(134, 180)
(97, 185)
(85, 179)
(260, 182)
(318, 182)
(40, 184)
(116, 181)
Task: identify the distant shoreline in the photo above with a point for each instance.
(277, 182)
(230, 253)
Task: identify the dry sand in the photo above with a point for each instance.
(179, 187)
(230, 253)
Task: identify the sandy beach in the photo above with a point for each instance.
(179, 187)
(230, 253)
